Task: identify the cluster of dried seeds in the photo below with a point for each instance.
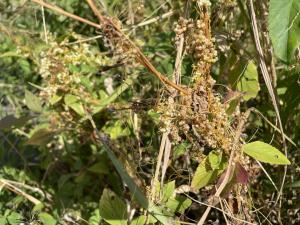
(66, 69)
(200, 46)
(61, 68)
(200, 117)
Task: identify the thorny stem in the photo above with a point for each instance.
(141, 58)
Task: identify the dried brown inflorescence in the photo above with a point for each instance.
(200, 117)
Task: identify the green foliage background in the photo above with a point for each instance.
(71, 178)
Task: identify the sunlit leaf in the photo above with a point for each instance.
(74, 103)
(265, 153)
(206, 172)
(248, 82)
(47, 219)
(178, 204)
(214, 159)
(14, 218)
(95, 217)
(33, 102)
(180, 149)
(54, 99)
(104, 102)
(141, 220)
(168, 190)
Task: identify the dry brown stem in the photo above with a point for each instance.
(105, 21)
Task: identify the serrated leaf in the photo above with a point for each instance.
(33, 102)
(265, 153)
(40, 137)
(47, 219)
(248, 82)
(284, 27)
(112, 209)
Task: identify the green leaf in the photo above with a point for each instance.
(155, 116)
(178, 204)
(100, 168)
(248, 82)
(54, 99)
(104, 102)
(74, 103)
(117, 130)
(168, 190)
(40, 137)
(295, 184)
(95, 218)
(265, 153)
(141, 220)
(2, 218)
(284, 27)
(208, 170)
(134, 189)
(33, 102)
(14, 218)
(38, 207)
(112, 209)
(47, 219)
(215, 159)
(180, 149)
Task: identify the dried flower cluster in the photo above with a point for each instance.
(228, 3)
(66, 70)
(62, 67)
(197, 42)
(200, 117)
